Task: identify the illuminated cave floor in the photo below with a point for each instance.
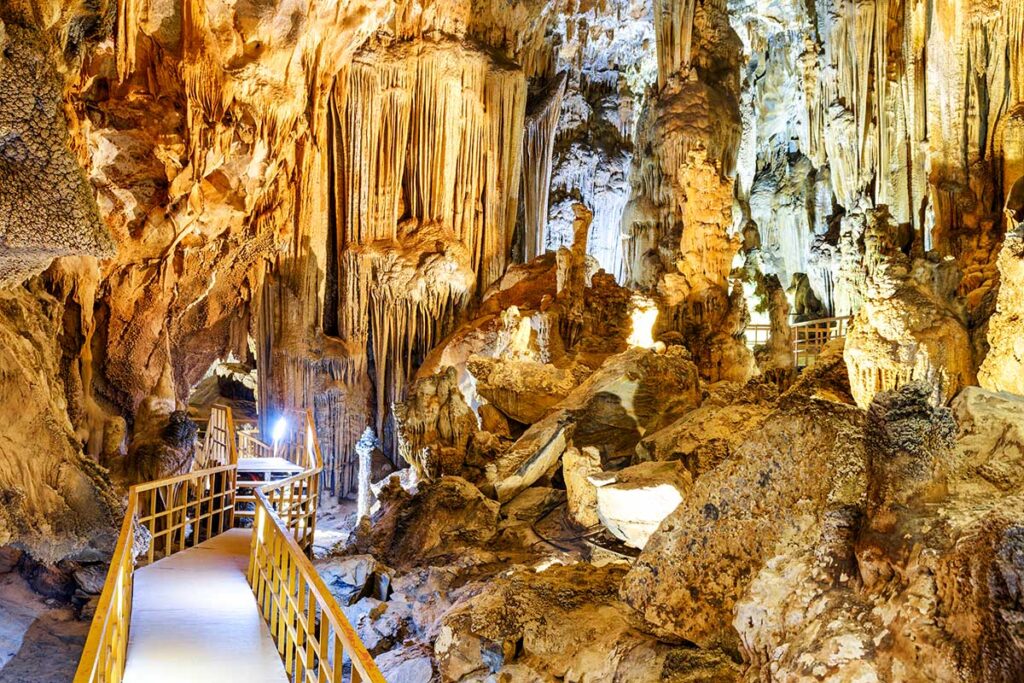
(194, 618)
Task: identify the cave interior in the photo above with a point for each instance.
(512, 341)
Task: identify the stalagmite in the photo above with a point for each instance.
(677, 225)
(778, 352)
(910, 327)
(364, 453)
(434, 426)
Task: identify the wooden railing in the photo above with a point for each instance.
(251, 446)
(292, 446)
(809, 337)
(219, 442)
(757, 335)
(806, 338)
(295, 499)
(103, 658)
(312, 634)
(301, 446)
(180, 512)
(298, 495)
(176, 513)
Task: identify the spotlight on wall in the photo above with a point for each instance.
(279, 430)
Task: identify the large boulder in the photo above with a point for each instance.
(407, 664)
(350, 578)
(630, 395)
(581, 493)
(564, 623)
(991, 437)
(923, 582)
(707, 435)
(806, 457)
(522, 390)
(631, 503)
(441, 518)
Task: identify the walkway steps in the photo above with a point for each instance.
(194, 619)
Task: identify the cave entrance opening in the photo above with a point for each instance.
(230, 382)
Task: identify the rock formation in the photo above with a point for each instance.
(910, 327)
(677, 224)
(511, 249)
(47, 207)
(1003, 367)
(806, 458)
(58, 503)
(632, 502)
(630, 395)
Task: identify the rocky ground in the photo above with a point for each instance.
(637, 523)
(43, 620)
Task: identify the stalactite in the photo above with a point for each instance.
(427, 174)
(903, 84)
(126, 37)
(538, 148)
(428, 133)
(674, 22)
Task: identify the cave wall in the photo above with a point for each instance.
(909, 105)
(55, 502)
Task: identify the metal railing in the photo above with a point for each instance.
(180, 512)
(806, 338)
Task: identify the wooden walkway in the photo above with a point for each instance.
(194, 618)
(277, 466)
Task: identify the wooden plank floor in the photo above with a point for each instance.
(195, 620)
(274, 464)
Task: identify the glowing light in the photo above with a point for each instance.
(644, 314)
(546, 564)
(280, 429)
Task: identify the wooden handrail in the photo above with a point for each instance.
(106, 632)
(820, 321)
(316, 458)
(248, 444)
(186, 509)
(103, 657)
(294, 501)
(219, 442)
(806, 338)
(311, 631)
(150, 485)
